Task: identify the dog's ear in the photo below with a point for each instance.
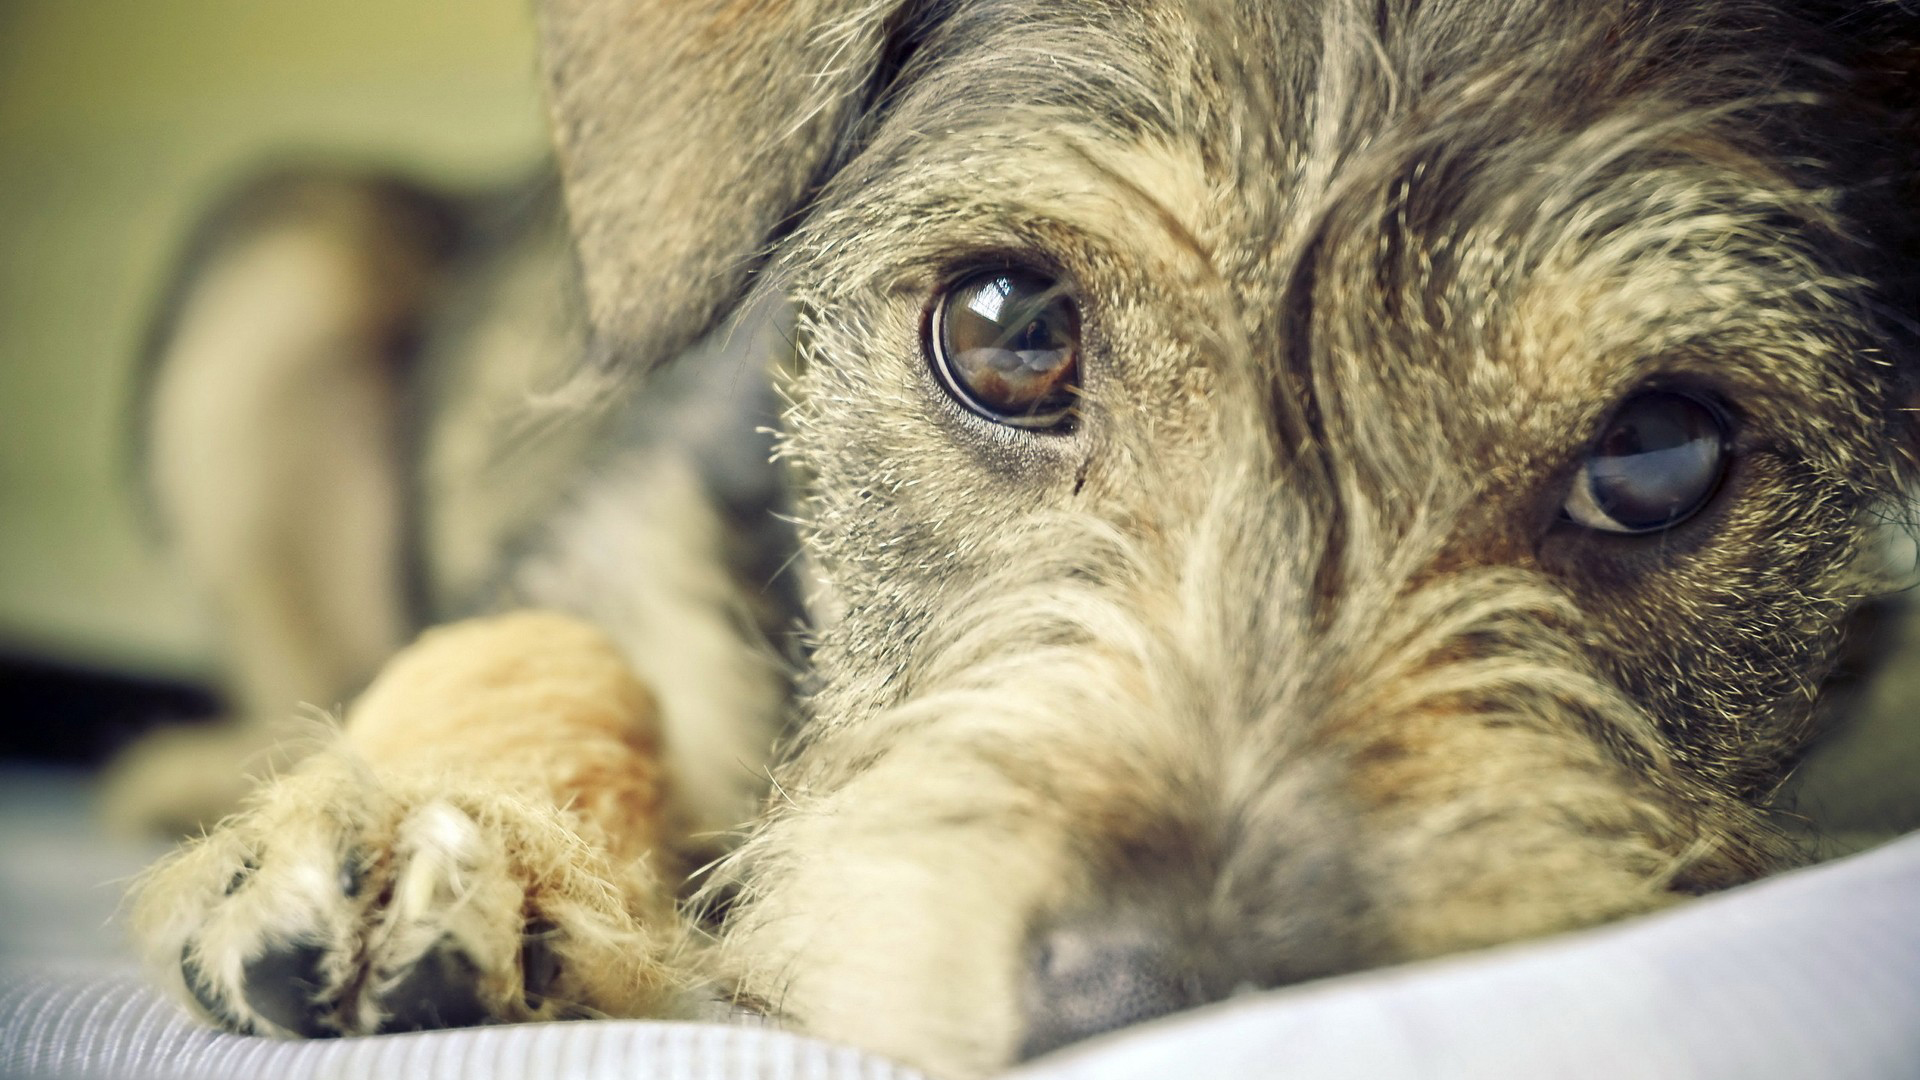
(689, 132)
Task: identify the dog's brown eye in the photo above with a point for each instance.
(1659, 458)
(1006, 343)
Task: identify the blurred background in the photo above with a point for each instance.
(119, 120)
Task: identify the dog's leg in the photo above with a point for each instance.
(484, 843)
(272, 414)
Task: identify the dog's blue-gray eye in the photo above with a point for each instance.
(1006, 344)
(1659, 459)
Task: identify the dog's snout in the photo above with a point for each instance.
(1086, 978)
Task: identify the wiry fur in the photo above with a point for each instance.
(1280, 662)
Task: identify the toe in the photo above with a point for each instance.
(284, 985)
(439, 991)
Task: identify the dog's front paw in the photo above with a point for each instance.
(345, 902)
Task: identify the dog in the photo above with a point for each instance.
(957, 526)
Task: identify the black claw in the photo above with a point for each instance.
(441, 991)
(539, 963)
(284, 985)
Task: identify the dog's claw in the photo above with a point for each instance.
(437, 992)
(284, 985)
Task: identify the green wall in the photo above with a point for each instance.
(118, 118)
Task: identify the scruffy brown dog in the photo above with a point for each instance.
(1281, 489)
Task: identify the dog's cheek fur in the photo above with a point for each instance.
(1543, 833)
(891, 913)
(1726, 642)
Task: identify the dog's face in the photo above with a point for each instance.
(1292, 487)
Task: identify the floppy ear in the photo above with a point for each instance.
(688, 132)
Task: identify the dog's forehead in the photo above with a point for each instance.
(1495, 256)
(1126, 69)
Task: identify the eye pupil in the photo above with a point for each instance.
(1659, 459)
(1006, 345)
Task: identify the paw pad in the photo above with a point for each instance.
(285, 986)
(436, 992)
